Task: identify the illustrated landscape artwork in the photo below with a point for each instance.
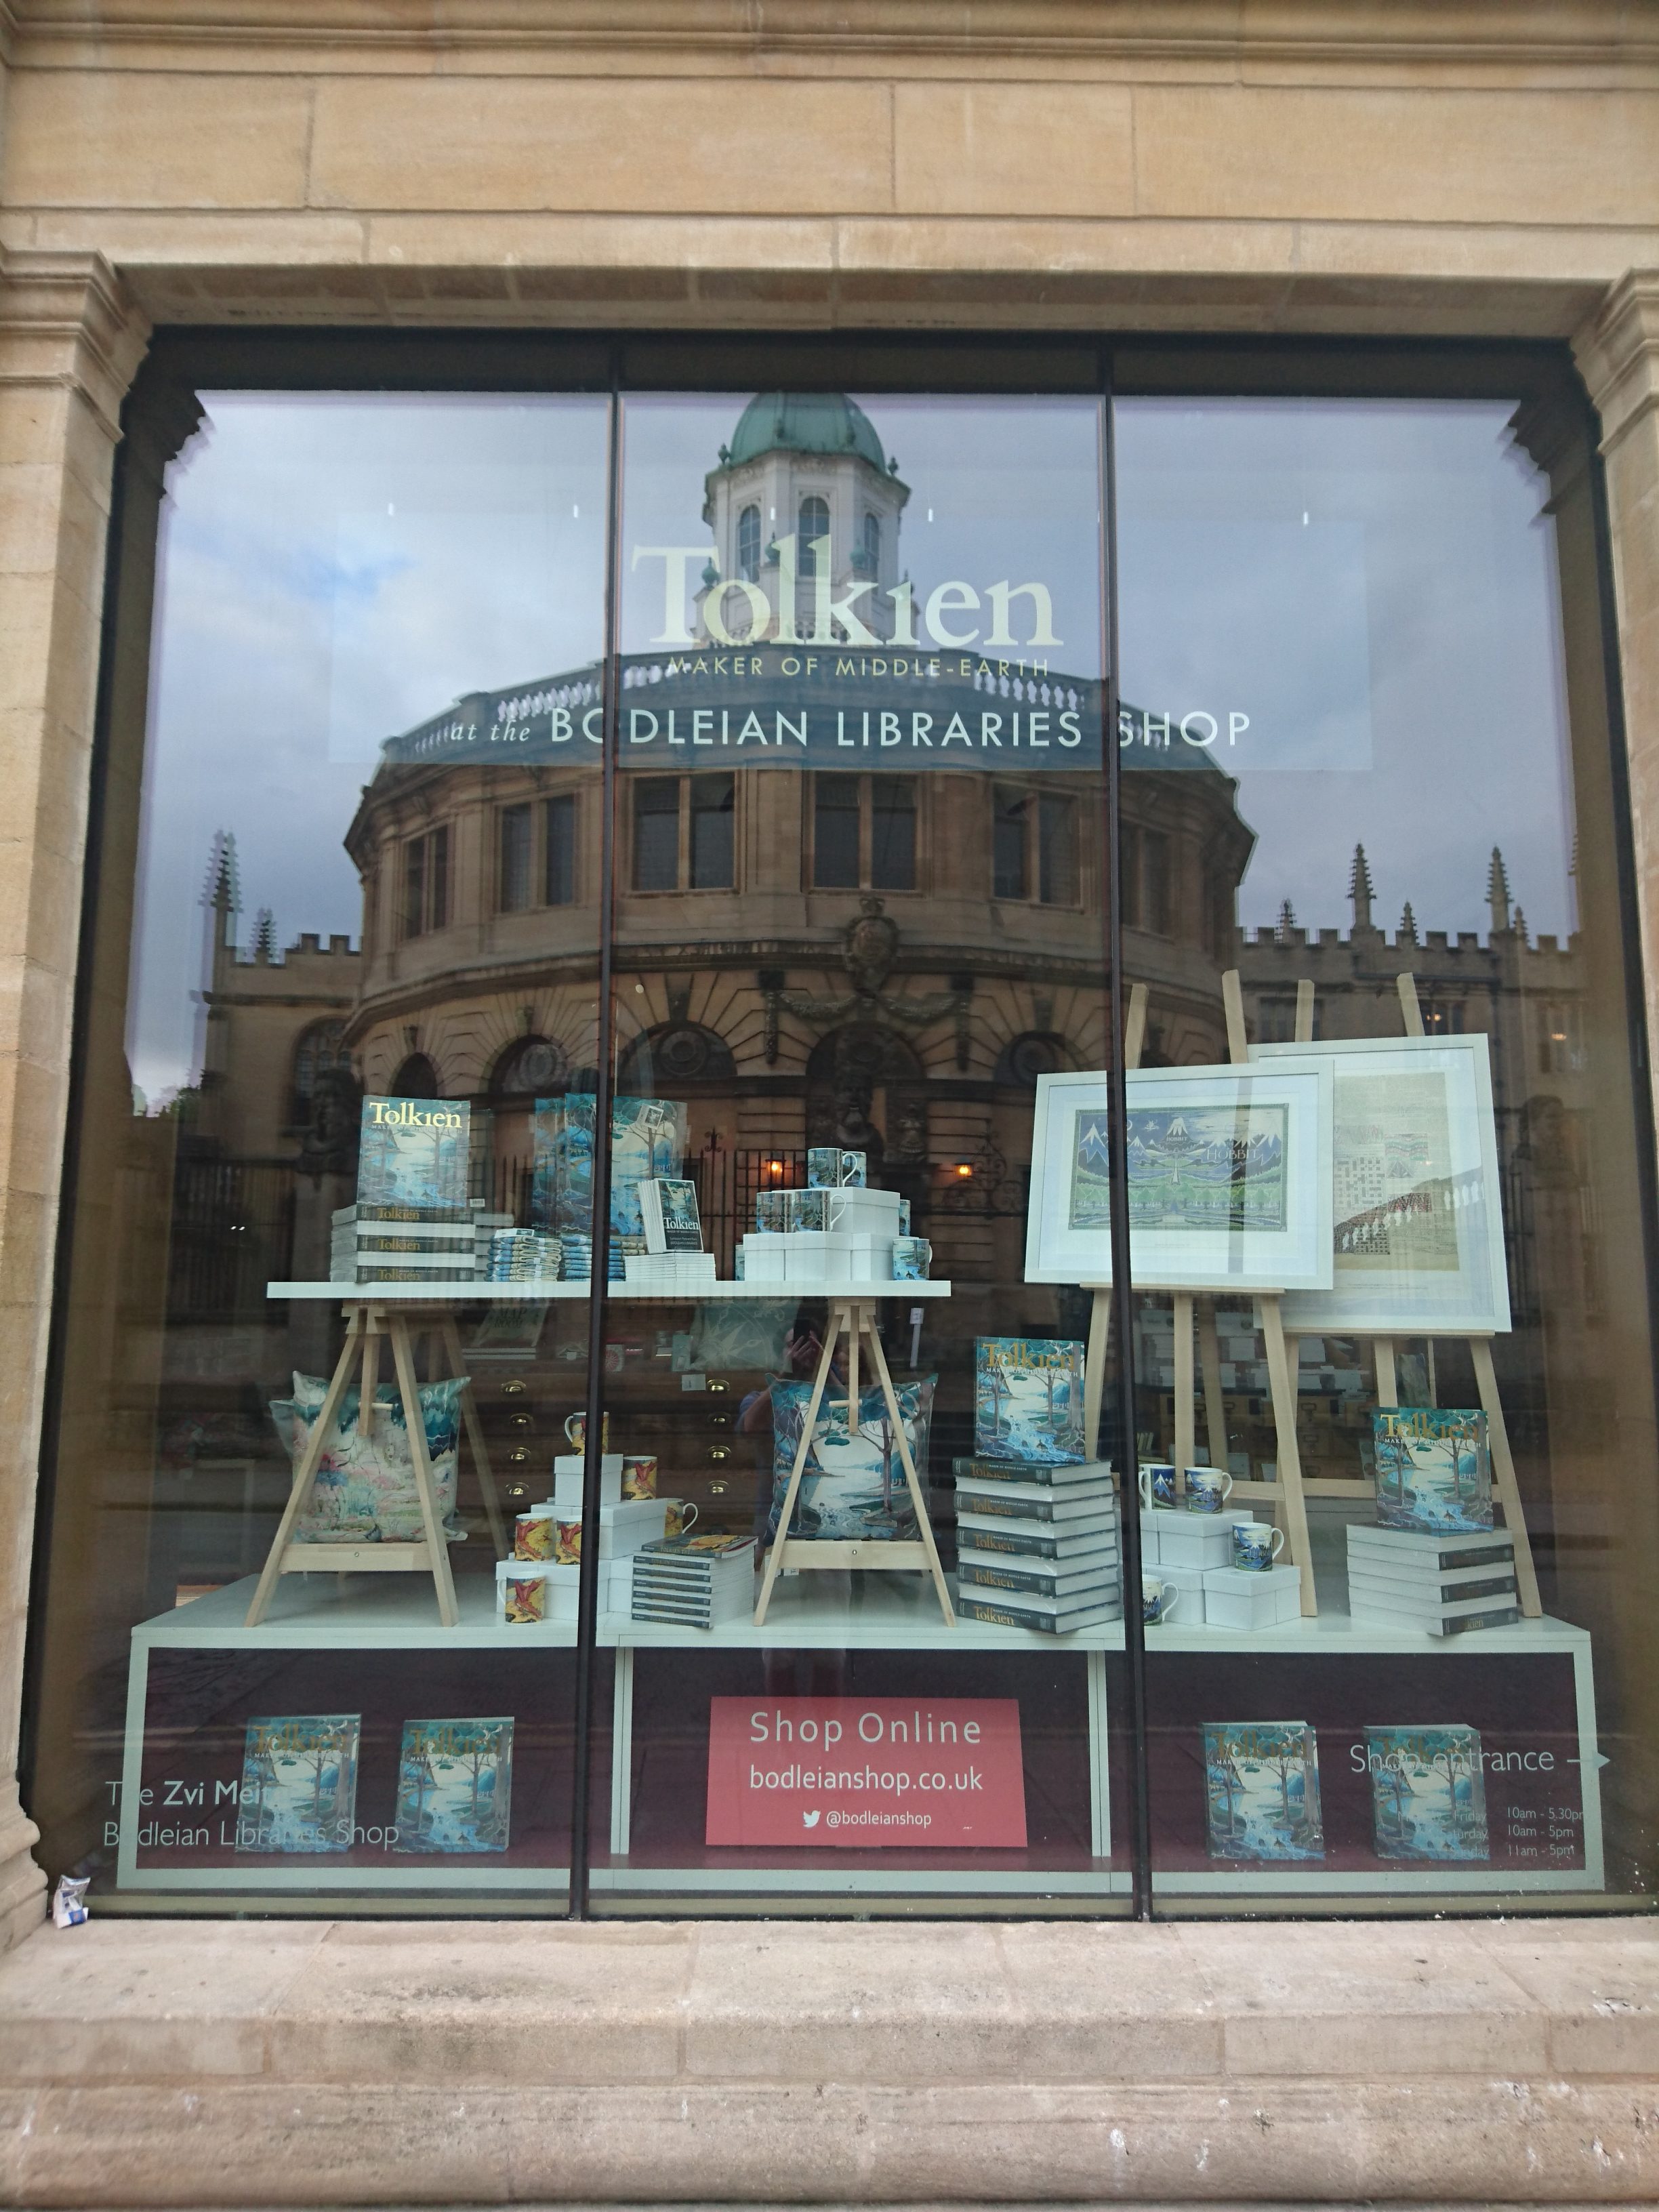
(1428, 1793)
(299, 1782)
(1397, 1200)
(455, 1785)
(1262, 1781)
(1193, 1169)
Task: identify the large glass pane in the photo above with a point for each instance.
(1406, 1306)
(325, 1000)
(858, 636)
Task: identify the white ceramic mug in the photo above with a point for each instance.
(1158, 1598)
(1256, 1545)
(1208, 1489)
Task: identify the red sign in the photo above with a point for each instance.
(866, 1773)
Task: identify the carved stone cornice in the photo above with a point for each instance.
(67, 322)
(1600, 36)
(1618, 354)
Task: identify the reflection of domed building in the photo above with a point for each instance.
(885, 958)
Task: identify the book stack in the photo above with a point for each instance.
(1444, 1583)
(1036, 1545)
(675, 1272)
(523, 1255)
(695, 1581)
(371, 1243)
(1037, 1521)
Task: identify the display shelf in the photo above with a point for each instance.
(541, 1292)
(345, 1612)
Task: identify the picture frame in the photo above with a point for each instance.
(1230, 1173)
(1400, 1266)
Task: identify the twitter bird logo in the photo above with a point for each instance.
(808, 1819)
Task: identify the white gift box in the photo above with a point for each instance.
(817, 1255)
(871, 1213)
(1188, 1611)
(1238, 1597)
(1152, 1525)
(871, 1260)
(567, 1479)
(1194, 1540)
(763, 1251)
(623, 1526)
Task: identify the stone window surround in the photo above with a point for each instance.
(72, 334)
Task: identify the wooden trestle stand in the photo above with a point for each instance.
(1287, 1496)
(853, 1318)
(369, 1322)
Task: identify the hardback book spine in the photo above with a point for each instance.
(1049, 1474)
(979, 1574)
(1045, 1620)
(1010, 1504)
(1037, 1541)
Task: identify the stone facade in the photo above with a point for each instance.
(1455, 172)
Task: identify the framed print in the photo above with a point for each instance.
(1418, 1214)
(1230, 1179)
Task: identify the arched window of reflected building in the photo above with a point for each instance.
(748, 545)
(320, 1048)
(417, 1078)
(814, 524)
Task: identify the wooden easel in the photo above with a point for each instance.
(854, 1319)
(369, 1321)
(1286, 1494)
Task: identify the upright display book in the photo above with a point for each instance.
(299, 1789)
(648, 1139)
(454, 1786)
(668, 1208)
(1428, 1793)
(1261, 1786)
(413, 1156)
(1028, 1400)
(1433, 1470)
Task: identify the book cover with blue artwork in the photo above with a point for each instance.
(1428, 1793)
(647, 1139)
(454, 1786)
(1261, 1786)
(299, 1782)
(853, 1487)
(1028, 1400)
(413, 1155)
(1432, 1469)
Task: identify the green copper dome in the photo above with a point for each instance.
(803, 423)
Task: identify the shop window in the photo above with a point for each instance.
(426, 882)
(891, 1022)
(864, 833)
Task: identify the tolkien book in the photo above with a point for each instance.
(1051, 1578)
(454, 1786)
(299, 1782)
(1261, 1788)
(1046, 1616)
(414, 1154)
(668, 1209)
(1028, 1399)
(1428, 1793)
(1433, 1470)
(1037, 1539)
(1029, 1501)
